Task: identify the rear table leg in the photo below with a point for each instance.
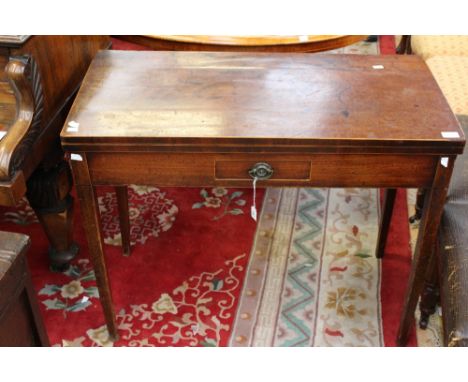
(430, 295)
(124, 218)
(384, 228)
(433, 206)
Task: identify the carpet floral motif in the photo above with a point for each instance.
(220, 198)
(151, 213)
(76, 294)
(320, 278)
(196, 313)
(349, 308)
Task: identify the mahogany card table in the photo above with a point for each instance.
(300, 120)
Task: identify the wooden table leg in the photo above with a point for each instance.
(418, 207)
(92, 227)
(430, 295)
(386, 218)
(433, 206)
(124, 218)
(405, 45)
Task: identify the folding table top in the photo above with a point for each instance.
(185, 99)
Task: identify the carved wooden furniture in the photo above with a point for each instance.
(39, 76)
(306, 43)
(207, 119)
(20, 320)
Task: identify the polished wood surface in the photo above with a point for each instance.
(272, 43)
(7, 95)
(25, 122)
(198, 119)
(20, 320)
(185, 100)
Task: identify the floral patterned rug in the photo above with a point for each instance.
(179, 287)
(313, 279)
(203, 273)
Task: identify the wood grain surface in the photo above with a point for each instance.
(190, 99)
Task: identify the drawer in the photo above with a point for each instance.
(232, 170)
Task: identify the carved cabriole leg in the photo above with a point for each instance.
(433, 206)
(430, 295)
(384, 227)
(48, 193)
(124, 218)
(92, 226)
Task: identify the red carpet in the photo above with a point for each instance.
(193, 242)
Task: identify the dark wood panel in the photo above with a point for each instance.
(20, 320)
(16, 324)
(63, 61)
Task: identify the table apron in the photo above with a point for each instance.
(232, 170)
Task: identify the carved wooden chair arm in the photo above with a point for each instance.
(24, 78)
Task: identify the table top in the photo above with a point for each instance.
(187, 100)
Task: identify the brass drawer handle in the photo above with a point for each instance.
(261, 171)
